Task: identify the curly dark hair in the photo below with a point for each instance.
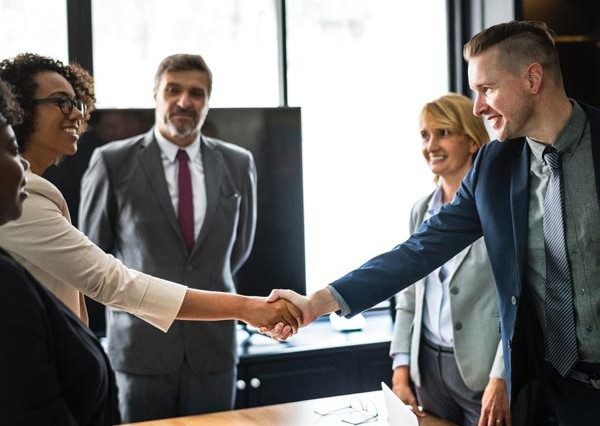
(11, 112)
(20, 73)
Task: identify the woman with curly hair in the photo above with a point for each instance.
(57, 100)
(53, 369)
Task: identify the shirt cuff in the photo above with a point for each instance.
(400, 359)
(344, 308)
(161, 303)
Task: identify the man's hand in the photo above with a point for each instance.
(494, 404)
(280, 331)
(264, 315)
(401, 387)
(301, 302)
(319, 303)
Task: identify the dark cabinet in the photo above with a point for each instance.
(318, 362)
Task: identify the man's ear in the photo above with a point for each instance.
(534, 74)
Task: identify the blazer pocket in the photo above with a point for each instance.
(230, 195)
(230, 200)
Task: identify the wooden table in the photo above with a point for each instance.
(290, 414)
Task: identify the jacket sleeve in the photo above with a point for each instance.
(97, 207)
(440, 238)
(46, 239)
(246, 226)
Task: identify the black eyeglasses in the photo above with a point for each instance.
(66, 105)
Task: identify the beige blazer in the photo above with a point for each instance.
(474, 308)
(64, 260)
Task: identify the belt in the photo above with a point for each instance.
(590, 377)
(438, 348)
(592, 380)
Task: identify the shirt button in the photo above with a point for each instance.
(454, 290)
(189, 268)
(582, 290)
(458, 326)
(589, 329)
(513, 300)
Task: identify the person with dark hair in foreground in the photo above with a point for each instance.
(53, 369)
(533, 194)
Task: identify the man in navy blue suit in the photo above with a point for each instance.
(550, 322)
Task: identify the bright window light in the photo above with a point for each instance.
(35, 26)
(361, 71)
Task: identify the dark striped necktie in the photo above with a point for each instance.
(561, 337)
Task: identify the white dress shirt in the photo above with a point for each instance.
(171, 166)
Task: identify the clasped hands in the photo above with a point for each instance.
(281, 314)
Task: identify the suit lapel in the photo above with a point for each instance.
(151, 162)
(519, 204)
(212, 161)
(458, 260)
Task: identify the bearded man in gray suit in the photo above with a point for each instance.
(181, 206)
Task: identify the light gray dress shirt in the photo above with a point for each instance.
(582, 224)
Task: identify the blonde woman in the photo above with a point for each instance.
(446, 333)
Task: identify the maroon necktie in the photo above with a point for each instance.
(186, 200)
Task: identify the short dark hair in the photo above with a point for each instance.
(520, 43)
(10, 110)
(20, 73)
(182, 62)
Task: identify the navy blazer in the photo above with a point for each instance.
(53, 370)
(493, 202)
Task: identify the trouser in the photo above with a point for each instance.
(183, 393)
(443, 392)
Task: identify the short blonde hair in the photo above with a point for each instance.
(455, 112)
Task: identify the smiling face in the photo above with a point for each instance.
(181, 105)
(449, 154)
(55, 134)
(12, 176)
(502, 96)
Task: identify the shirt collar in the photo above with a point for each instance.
(569, 136)
(435, 202)
(169, 149)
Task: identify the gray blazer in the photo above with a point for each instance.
(474, 309)
(127, 211)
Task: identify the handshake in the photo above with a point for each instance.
(283, 312)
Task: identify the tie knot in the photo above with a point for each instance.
(552, 157)
(182, 156)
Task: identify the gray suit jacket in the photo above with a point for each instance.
(127, 211)
(477, 346)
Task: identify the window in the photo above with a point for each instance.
(36, 26)
(361, 71)
(237, 38)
